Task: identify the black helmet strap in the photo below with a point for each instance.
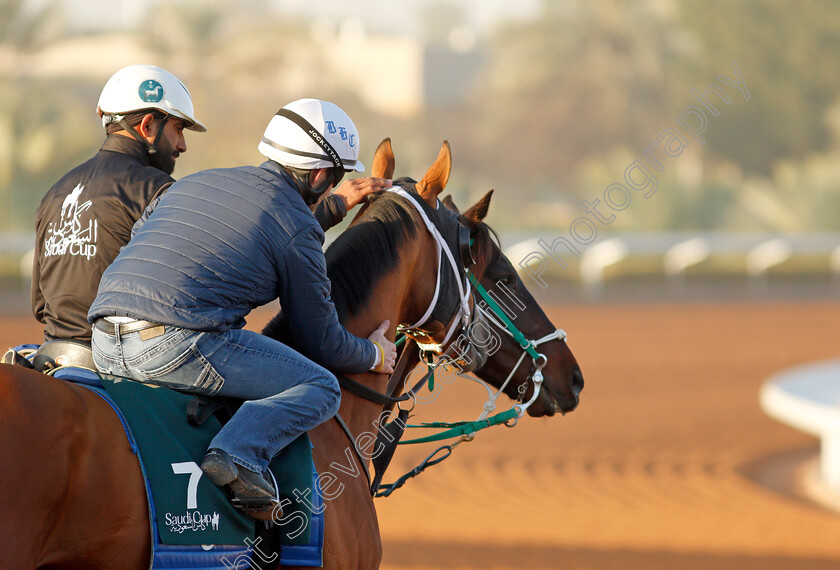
(313, 133)
(150, 148)
(310, 194)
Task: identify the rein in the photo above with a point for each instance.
(372, 395)
(465, 431)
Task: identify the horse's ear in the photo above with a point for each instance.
(383, 160)
(447, 201)
(478, 212)
(435, 179)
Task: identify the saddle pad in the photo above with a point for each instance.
(253, 551)
(190, 508)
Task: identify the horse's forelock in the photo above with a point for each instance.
(407, 183)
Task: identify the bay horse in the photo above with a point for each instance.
(72, 494)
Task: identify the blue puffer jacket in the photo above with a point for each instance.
(222, 242)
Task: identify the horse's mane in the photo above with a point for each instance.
(368, 250)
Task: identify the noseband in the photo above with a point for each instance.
(494, 314)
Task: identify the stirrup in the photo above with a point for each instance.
(264, 509)
(241, 483)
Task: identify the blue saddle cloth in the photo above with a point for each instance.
(193, 524)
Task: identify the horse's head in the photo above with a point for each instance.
(563, 380)
(501, 360)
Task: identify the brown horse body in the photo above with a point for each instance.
(71, 491)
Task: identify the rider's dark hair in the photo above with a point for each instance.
(133, 119)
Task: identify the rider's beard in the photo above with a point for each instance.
(164, 158)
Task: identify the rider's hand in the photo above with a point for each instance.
(355, 190)
(388, 348)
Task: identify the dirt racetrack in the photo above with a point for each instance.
(668, 463)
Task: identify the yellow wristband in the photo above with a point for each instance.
(381, 365)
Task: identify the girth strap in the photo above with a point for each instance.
(352, 439)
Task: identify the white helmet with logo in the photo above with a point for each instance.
(287, 140)
(139, 87)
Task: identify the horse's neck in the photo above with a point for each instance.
(400, 297)
(359, 414)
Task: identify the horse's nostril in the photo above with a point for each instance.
(577, 381)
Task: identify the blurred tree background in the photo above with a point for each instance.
(555, 107)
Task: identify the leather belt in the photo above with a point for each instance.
(125, 328)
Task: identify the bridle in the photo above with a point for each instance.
(415, 331)
(497, 316)
(463, 312)
(486, 310)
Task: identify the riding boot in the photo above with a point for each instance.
(251, 491)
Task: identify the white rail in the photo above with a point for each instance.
(808, 399)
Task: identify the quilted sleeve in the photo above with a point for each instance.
(305, 297)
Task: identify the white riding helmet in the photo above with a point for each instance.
(139, 87)
(287, 143)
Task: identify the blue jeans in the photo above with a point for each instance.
(286, 394)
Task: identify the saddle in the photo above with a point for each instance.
(57, 353)
(51, 355)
